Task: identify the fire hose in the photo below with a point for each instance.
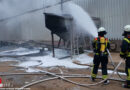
(64, 74)
(114, 64)
(70, 81)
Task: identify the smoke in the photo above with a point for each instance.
(12, 27)
(11, 8)
(82, 21)
(19, 19)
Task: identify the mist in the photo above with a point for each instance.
(81, 19)
(10, 18)
(17, 24)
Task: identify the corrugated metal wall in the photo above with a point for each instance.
(34, 26)
(29, 26)
(114, 14)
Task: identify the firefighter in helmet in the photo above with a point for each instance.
(100, 46)
(125, 53)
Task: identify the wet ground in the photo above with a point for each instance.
(58, 84)
(12, 61)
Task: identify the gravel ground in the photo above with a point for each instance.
(18, 81)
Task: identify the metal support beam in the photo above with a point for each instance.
(59, 43)
(77, 42)
(71, 40)
(53, 48)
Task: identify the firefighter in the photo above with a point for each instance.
(100, 46)
(125, 53)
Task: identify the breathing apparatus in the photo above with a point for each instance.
(102, 32)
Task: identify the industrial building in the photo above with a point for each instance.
(114, 14)
(28, 22)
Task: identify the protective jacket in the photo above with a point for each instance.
(125, 48)
(100, 45)
(125, 53)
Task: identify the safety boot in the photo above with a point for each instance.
(106, 82)
(125, 86)
(92, 79)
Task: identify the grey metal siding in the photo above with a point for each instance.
(114, 14)
(30, 26)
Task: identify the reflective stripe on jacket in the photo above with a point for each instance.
(125, 49)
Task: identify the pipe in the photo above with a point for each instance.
(52, 40)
